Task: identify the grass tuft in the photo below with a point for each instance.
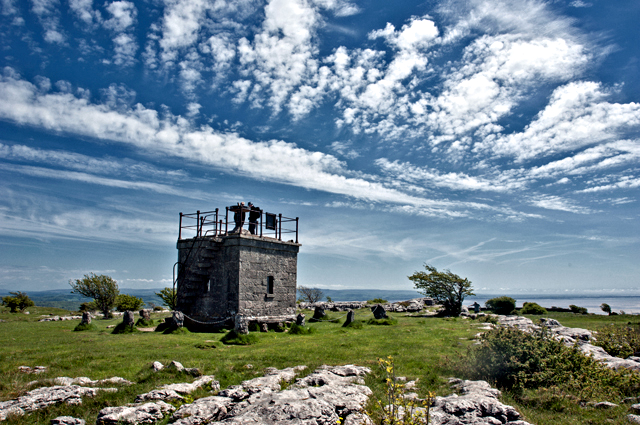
(232, 338)
(84, 327)
(121, 329)
(389, 321)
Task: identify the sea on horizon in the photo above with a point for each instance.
(628, 304)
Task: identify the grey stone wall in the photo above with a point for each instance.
(221, 276)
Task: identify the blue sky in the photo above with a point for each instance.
(499, 139)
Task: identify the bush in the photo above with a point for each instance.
(254, 327)
(88, 306)
(532, 308)
(619, 340)
(126, 302)
(122, 328)
(356, 324)
(84, 327)
(377, 301)
(606, 308)
(389, 321)
(142, 323)
(516, 360)
(17, 301)
(577, 310)
(232, 338)
(501, 305)
(301, 330)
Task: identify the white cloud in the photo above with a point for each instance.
(48, 14)
(577, 116)
(123, 16)
(275, 160)
(552, 202)
(84, 10)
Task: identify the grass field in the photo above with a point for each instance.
(423, 348)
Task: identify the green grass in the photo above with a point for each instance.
(421, 347)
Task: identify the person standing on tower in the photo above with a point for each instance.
(254, 215)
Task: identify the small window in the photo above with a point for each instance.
(270, 283)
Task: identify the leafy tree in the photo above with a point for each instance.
(103, 289)
(17, 301)
(606, 308)
(444, 287)
(126, 302)
(168, 297)
(88, 306)
(533, 308)
(501, 305)
(309, 295)
(578, 310)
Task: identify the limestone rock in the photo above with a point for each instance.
(203, 410)
(241, 324)
(634, 419)
(379, 312)
(178, 318)
(43, 397)
(86, 318)
(604, 405)
(84, 381)
(147, 413)
(127, 318)
(175, 391)
(635, 408)
(264, 327)
(145, 314)
(67, 420)
(318, 314)
(300, 319)
(157, 366)
(351, 316)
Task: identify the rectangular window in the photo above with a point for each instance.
(270, 284)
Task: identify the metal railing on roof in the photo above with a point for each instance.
(212, 223)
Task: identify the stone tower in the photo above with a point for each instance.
(221, 273)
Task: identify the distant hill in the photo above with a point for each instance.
(63, 298)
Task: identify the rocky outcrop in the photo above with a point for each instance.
(67, 420)
(147, 413)
(579, 337)
(43, 397)
(59, 318)
(87, 382)
(176, 391)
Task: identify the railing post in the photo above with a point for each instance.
(260, 223)
(296, 229)
(226, 222)
(280, 226)
(180, 228)
(215, 233)
(198, 224)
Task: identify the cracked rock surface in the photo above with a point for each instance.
(571, 336)
(43, 397)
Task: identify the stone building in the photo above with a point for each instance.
(221, 273)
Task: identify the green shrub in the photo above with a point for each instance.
(142, 323)
(158, 308)
(232, 338)
(578, 310)
(389, 321)
(516, 360)
(501, 305)
(301, 330)
(88, 306)
(126, 302)
(208, 345)
(532, 308)
(84, 327)
(254, 327)
(377, 301)
(619, 340)
(356, 324)
(122, 328)
(17, 301)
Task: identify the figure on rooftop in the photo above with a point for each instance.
(254, 216)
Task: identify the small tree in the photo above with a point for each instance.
(578, 310)
(445, 288)
(103, 289)
(168, 297)
(17, 301)
(126, 302)
(88, 306)
(501, 305)
(606, 308)
(309, 295)
(532, 308)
